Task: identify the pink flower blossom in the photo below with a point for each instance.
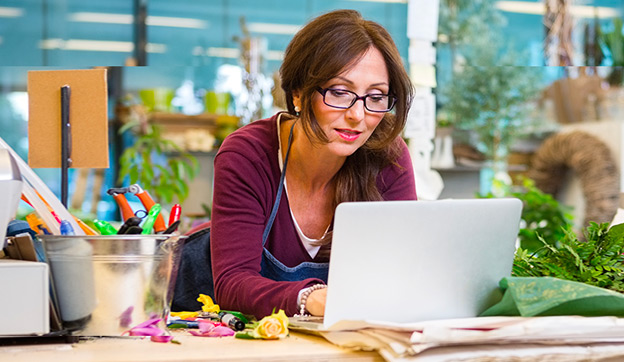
(149, 328)
(212, 329)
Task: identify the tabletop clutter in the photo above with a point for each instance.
(103, 281)
(66, 278)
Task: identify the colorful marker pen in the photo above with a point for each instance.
(66, 228)
(105, 227)
(174, 216)
(151, 219)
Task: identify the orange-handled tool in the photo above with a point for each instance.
(124, 207)
(122, 202)
(148, 202)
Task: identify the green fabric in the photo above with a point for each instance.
(547, 296)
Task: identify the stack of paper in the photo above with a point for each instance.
(562, 338)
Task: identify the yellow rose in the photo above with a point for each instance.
(273, 327)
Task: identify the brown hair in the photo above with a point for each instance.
(321, 50)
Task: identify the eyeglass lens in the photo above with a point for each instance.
(342, 98)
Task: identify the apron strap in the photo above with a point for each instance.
(280, 189)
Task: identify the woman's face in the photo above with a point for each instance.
(348, 129)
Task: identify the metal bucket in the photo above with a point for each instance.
(105, 284)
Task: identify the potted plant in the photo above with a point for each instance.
(488, 97)
(154, 162)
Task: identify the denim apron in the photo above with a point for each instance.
(271, 267)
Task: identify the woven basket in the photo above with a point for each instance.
(591, 160)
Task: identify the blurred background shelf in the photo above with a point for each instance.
(178, 121)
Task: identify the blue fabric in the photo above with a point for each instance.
(194, 274)
(275, 270)
(271, 267)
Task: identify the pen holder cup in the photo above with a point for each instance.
(103, 285)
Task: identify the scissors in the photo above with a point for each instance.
(118, 194)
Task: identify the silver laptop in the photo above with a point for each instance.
(412, 261)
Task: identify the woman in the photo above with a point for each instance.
(341, 75)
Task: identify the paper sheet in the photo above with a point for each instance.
(423, 19)
(421, 52)
(421, 116)
(501, 337)
(618, 218)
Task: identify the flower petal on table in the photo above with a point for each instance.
(145, 331)
(161, 339)
(219, 331)
(207, 326)
(148, 323)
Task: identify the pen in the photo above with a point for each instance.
(153, 213)
(182, 323)
(231, 321)
(86, 228)
(174, 216)
(66, 228)
(105, 227)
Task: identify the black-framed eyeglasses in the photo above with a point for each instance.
(345, 99)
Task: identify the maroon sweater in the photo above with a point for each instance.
(246, 179)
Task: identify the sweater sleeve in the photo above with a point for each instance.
(397, 181)
(242, 200)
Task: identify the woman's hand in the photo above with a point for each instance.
(315, 304)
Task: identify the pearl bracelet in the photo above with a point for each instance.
(304, 297)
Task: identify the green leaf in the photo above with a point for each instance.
(183, 190)
(616, 233)
(246, 335)
(164, 181)
(128, 126)
(134, 175)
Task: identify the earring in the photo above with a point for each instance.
(297, 110)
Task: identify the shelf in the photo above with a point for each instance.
(195, 133)
(475, 168)
(182, 121)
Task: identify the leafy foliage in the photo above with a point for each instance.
(544, 219)
(542, 216)
(489, 96)
(597, 261)
(142, 162)
(463, 21)
(488, 92)
(613, 41)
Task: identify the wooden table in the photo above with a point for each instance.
(296, 347)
